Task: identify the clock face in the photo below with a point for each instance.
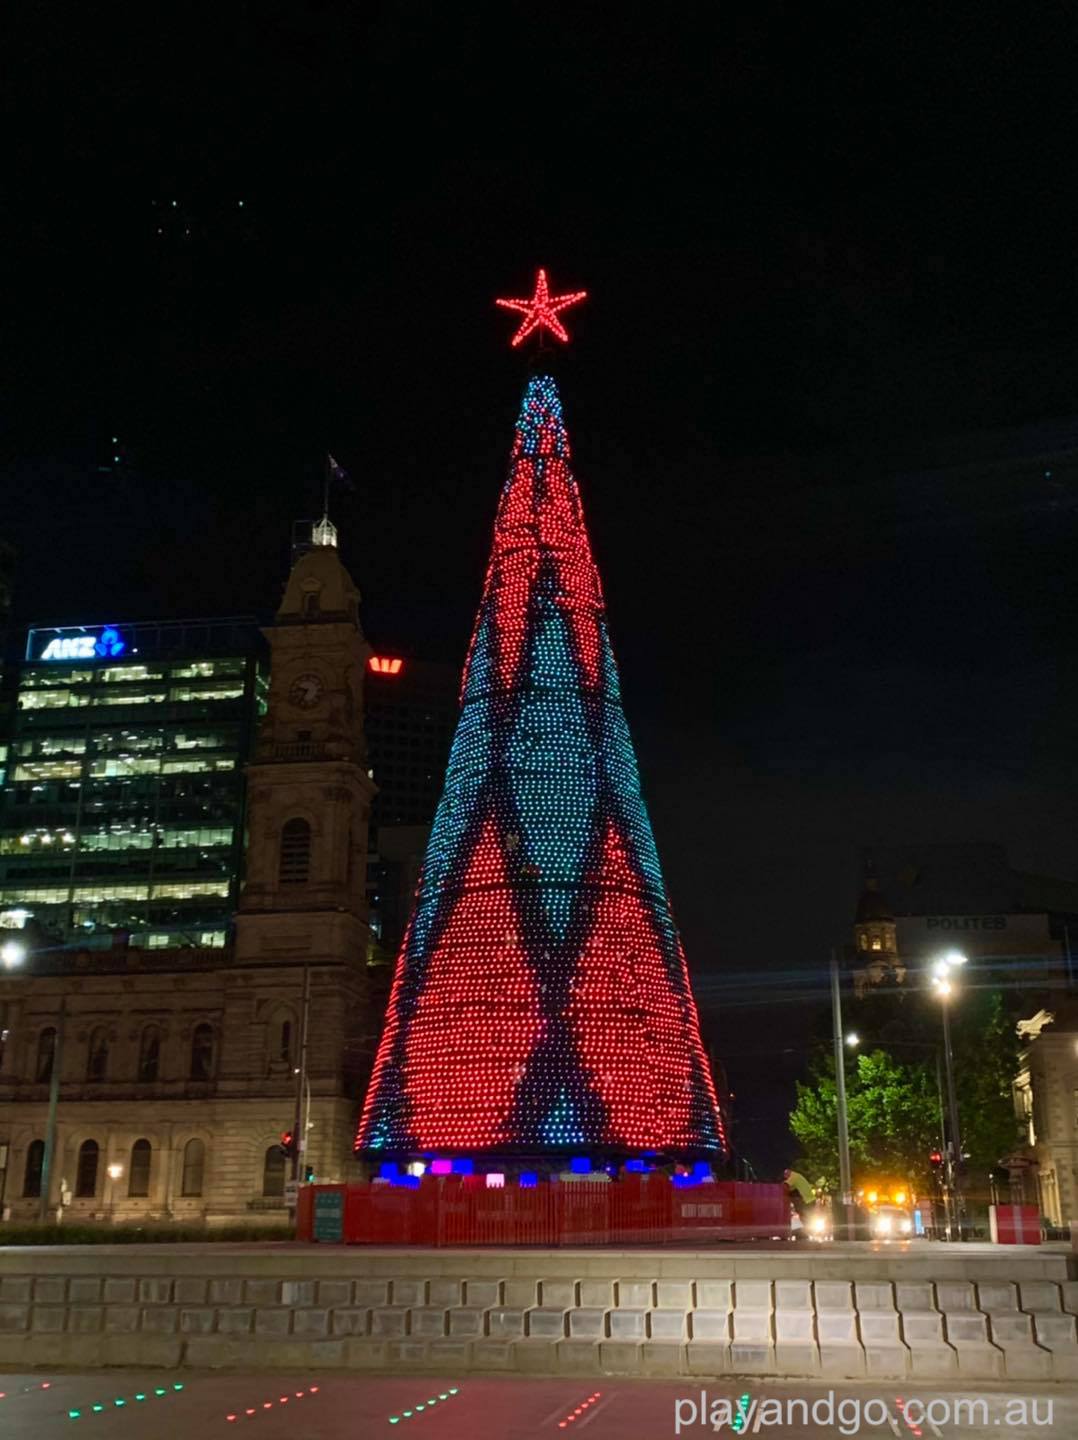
(305, 691)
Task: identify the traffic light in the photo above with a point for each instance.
(936, 1159)
(288, 1143)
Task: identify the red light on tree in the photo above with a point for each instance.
(383, 665)
(542, 310)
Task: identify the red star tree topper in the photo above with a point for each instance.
(542, 310)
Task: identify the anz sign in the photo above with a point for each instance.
(105, 643)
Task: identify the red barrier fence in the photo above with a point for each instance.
(461, 1210)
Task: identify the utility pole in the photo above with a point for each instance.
(50, 1122)
(845, 1181)
(955, 1150)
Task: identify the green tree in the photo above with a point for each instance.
(893, 1116)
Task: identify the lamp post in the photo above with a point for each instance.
(943, 986)
(845, 1181)
(114, 1171)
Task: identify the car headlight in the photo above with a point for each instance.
(819, 1224)
(906, 1226)
(883, 1225)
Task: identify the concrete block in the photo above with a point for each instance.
(628, 1324)
(663, 1357)
(921, 1328)
(752, 1294)
(545, 1323)
(225, 1290)
(587, 1323)
(879, 1327)
(505, 1323)
(297, 1292)
(210, 1352)
(927, 1361)
(48, 1318)
(120, 1291)
(668, 1324)
(82, 1319)
(235, 1321)
(558, 1294)
(1064, 1364)
(450, 1355)
(714, 1294)
(913, 1297)
(261, 1292)
(791, 1295)
(795, 1337)
(121, 1319)
(833, 1295)
(190, 1290)
(874, 1295)
(837, 1327)
(334, 1292)
(444, 1293)
(497, 1355)
(351, 1322)
(536, 1357)
(953, 1296)
(467, 1321)
(886, 1362)
(154, 1291)
(751, 1326)
(482, 1294)
(673, 1295)
(996, 1297)
(1039, 1296)
(273, 1320)
(84, 1289)
(747, 1358)
(619, 1357)
(578, 1357)
(428, 1321)
(159, 1319)
(409, 1292)
(153, 1351)
(710, 1325)
(407, 1354)
(388, 1321)
(327, 1353)
(1011, 1328)
(522, 1294)
(842, 1360)
(966, 1329)
(635, 1294)
(597, 1294)
(371, 1293)
(50, 1289)
(313, 1324)
(363, 1354)
(16, 1289)
(1055, 1331)
(197, 1321)
(707, 1357)
(980, 1362)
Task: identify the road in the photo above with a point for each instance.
(118, 1405)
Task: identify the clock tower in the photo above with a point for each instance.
(298, 999)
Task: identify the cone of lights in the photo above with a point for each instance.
(541, 1001)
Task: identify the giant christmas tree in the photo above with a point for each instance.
(541, 1000)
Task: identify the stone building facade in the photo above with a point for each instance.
(180, 1070)
(1045, 1169)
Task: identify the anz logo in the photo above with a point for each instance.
(105, 645)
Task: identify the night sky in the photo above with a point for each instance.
(821, 263)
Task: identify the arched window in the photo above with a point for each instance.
(86, 1170)
(46, 1054)
(877, 943)
(311, 605)
(138, 1177)
(284, 1041)
(295, 859)
(35, 1163)
(97, 1059)
(149, 1055)
(273, 1173)
(202, 1052)
(194, 1162)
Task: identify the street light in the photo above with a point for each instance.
(114, 1171)
(943, 987)
(853, 1039)
(12, 954)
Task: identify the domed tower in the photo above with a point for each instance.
(875, 937)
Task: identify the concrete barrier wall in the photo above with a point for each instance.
(965, 1312)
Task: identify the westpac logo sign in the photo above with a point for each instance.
(103, 644)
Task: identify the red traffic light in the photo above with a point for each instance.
(936, 1157)
(287, 1144)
